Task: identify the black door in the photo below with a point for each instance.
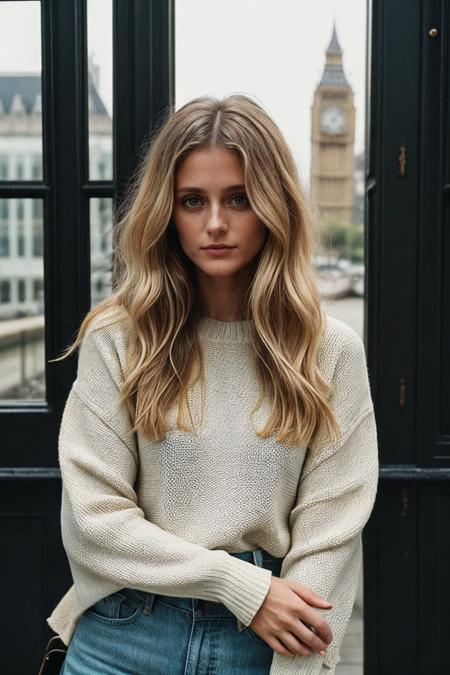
(56, 206)
(407, 549)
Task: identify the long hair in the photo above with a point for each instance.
(155, 289)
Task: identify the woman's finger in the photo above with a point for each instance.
(295, 645)
(279, 646)
(319, 626)
(309, 596)
(307, 634)
(315, 623)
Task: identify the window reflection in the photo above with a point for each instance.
(20, 91)
(99, 45)
(22, 353)
(22, 357)
(101, 213)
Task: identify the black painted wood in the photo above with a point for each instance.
(406, 550)
(144, 77)
(33, 565)
(33, 568)
(433, 430)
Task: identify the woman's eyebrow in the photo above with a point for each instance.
(198, 189)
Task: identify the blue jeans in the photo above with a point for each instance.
(131, 632)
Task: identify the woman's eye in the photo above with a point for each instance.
(241, 196)
(185, 201)
(193, 202)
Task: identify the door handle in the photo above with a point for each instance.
(370, 184)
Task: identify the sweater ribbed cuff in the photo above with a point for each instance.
(241, 586)
(300, 665)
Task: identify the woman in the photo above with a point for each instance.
(218, 448)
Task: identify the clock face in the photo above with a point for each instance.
(333, 120)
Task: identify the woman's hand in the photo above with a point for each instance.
(286, 621)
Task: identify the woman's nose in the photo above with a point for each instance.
(216, 220)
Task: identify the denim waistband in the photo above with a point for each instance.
(207, 609)
(257, 557)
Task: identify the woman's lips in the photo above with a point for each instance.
(219, 251)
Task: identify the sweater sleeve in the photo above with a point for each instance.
(105, 532)
(335, 497)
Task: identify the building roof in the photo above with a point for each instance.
(333, 73)
(28, 88)
(334, 47)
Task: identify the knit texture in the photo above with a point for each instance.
(163, 516)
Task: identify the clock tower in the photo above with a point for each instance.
(332, 140)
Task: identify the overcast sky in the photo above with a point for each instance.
(272, 50)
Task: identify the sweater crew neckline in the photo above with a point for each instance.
(224, 331)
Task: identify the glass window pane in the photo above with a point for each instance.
(22, 352)
(305, 64)
(321, 112)
(100, 213)
(20, 91)
(99, 44)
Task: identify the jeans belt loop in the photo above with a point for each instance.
(149, 599)
(258, 561)
(240, 626)
(258, 557)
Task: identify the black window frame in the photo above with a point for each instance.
(143, 92)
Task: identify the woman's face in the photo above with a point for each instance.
(211, 207)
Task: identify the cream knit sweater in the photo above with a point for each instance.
(163, 517)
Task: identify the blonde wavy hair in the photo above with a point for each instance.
(155, 289)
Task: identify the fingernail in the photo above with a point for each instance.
(322, 653)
